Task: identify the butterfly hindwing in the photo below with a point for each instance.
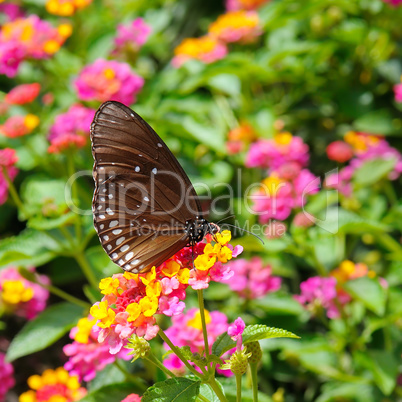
(143, 197)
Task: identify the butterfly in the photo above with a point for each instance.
(144, 206)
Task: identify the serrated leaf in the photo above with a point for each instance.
(44, 330)
(373, 170)
(252, 333)
(369, 292)
(111, 392)
(178, 389)
(29, 248)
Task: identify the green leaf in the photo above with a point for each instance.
(251, 333)
(29, 248)
(111, 392)
(376, 122)
(333, 391)
(369, 292)
(373, 171)
(44, 330)
(178, 389)
(42, 223)
(384, 369)
(229, 84)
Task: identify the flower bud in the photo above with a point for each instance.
(237, 363)
(140, 348)
(256, 352)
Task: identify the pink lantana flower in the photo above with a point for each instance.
(131, 36)
(71, 129)
(252, 279)
(108, 80)
(6, 375)
(20, 296)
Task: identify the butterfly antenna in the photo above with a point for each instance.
(244, 230)
(228, 217)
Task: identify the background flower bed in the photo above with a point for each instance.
(225, 98)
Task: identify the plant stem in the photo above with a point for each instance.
(64, 295)
(152, 359)
(74, 193)
(226, 111)
(238, 387)
(14, 194)
(86, 269)
(203, 322)
(202, 398)
(133, 378)
(178, 353)
(216, 388)
(254, 380)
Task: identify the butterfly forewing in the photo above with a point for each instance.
(143, 197)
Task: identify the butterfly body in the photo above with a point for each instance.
(145, 207)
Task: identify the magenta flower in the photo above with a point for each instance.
(8, 158)
(29, 37)
(398, 92)
(235, 331)
(71, 128)
(274, 153)
(318, 292)
(394, 3)
(108, 80)
(132, 36)
(186, 330)
(86, 354)
(232, 5)
(20, 296)
(7, 377)
(339, 151)
(12, 11)
(132, 398)
(252, 279)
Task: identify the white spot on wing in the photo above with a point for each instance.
(159, 145)
(112, 224)
(154, 170)
(109, 211)
(106, 237)
(102, 217)
(146, 199)
(120, 240)
(137, 169)
(129, 256)
(109, 247)
(114, 255)
(116, 231)
(124, 248)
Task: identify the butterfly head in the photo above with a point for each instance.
(199, 227)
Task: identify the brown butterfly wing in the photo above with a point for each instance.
(142, 197)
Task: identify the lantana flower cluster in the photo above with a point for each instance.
(132, 300)
(364, 147)
(327, 293)
(19, 126)
(131, 37)
(234, 5)
(6, 375)
(288, 184)
(20, 296)
(86, 354)
(53, 385)
(240, 137)
(186, 330)
(108, 80)
(8, 159)
(252, 279)
(23, 94)
(29, 38)
(70, 129)
(66, 8)
(238, 26)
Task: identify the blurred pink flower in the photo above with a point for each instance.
(12, 11)
(20, 296)
(303, 220)
(252, 279)
(278, 197)
(18, 126)
(132, 398)
(132, 35)
(86, 354)
(274, 153)
(206, 49)
(232, 5)
(22, 94)
(236, 329)
(275, 229)
(108, 80)
(8, 158)
(6, 376)
(394, 3)
(398, 92)
(70, 128)
(29, 37)
(186, 330)
(339, 151)
(318, 292)
(236, 26)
